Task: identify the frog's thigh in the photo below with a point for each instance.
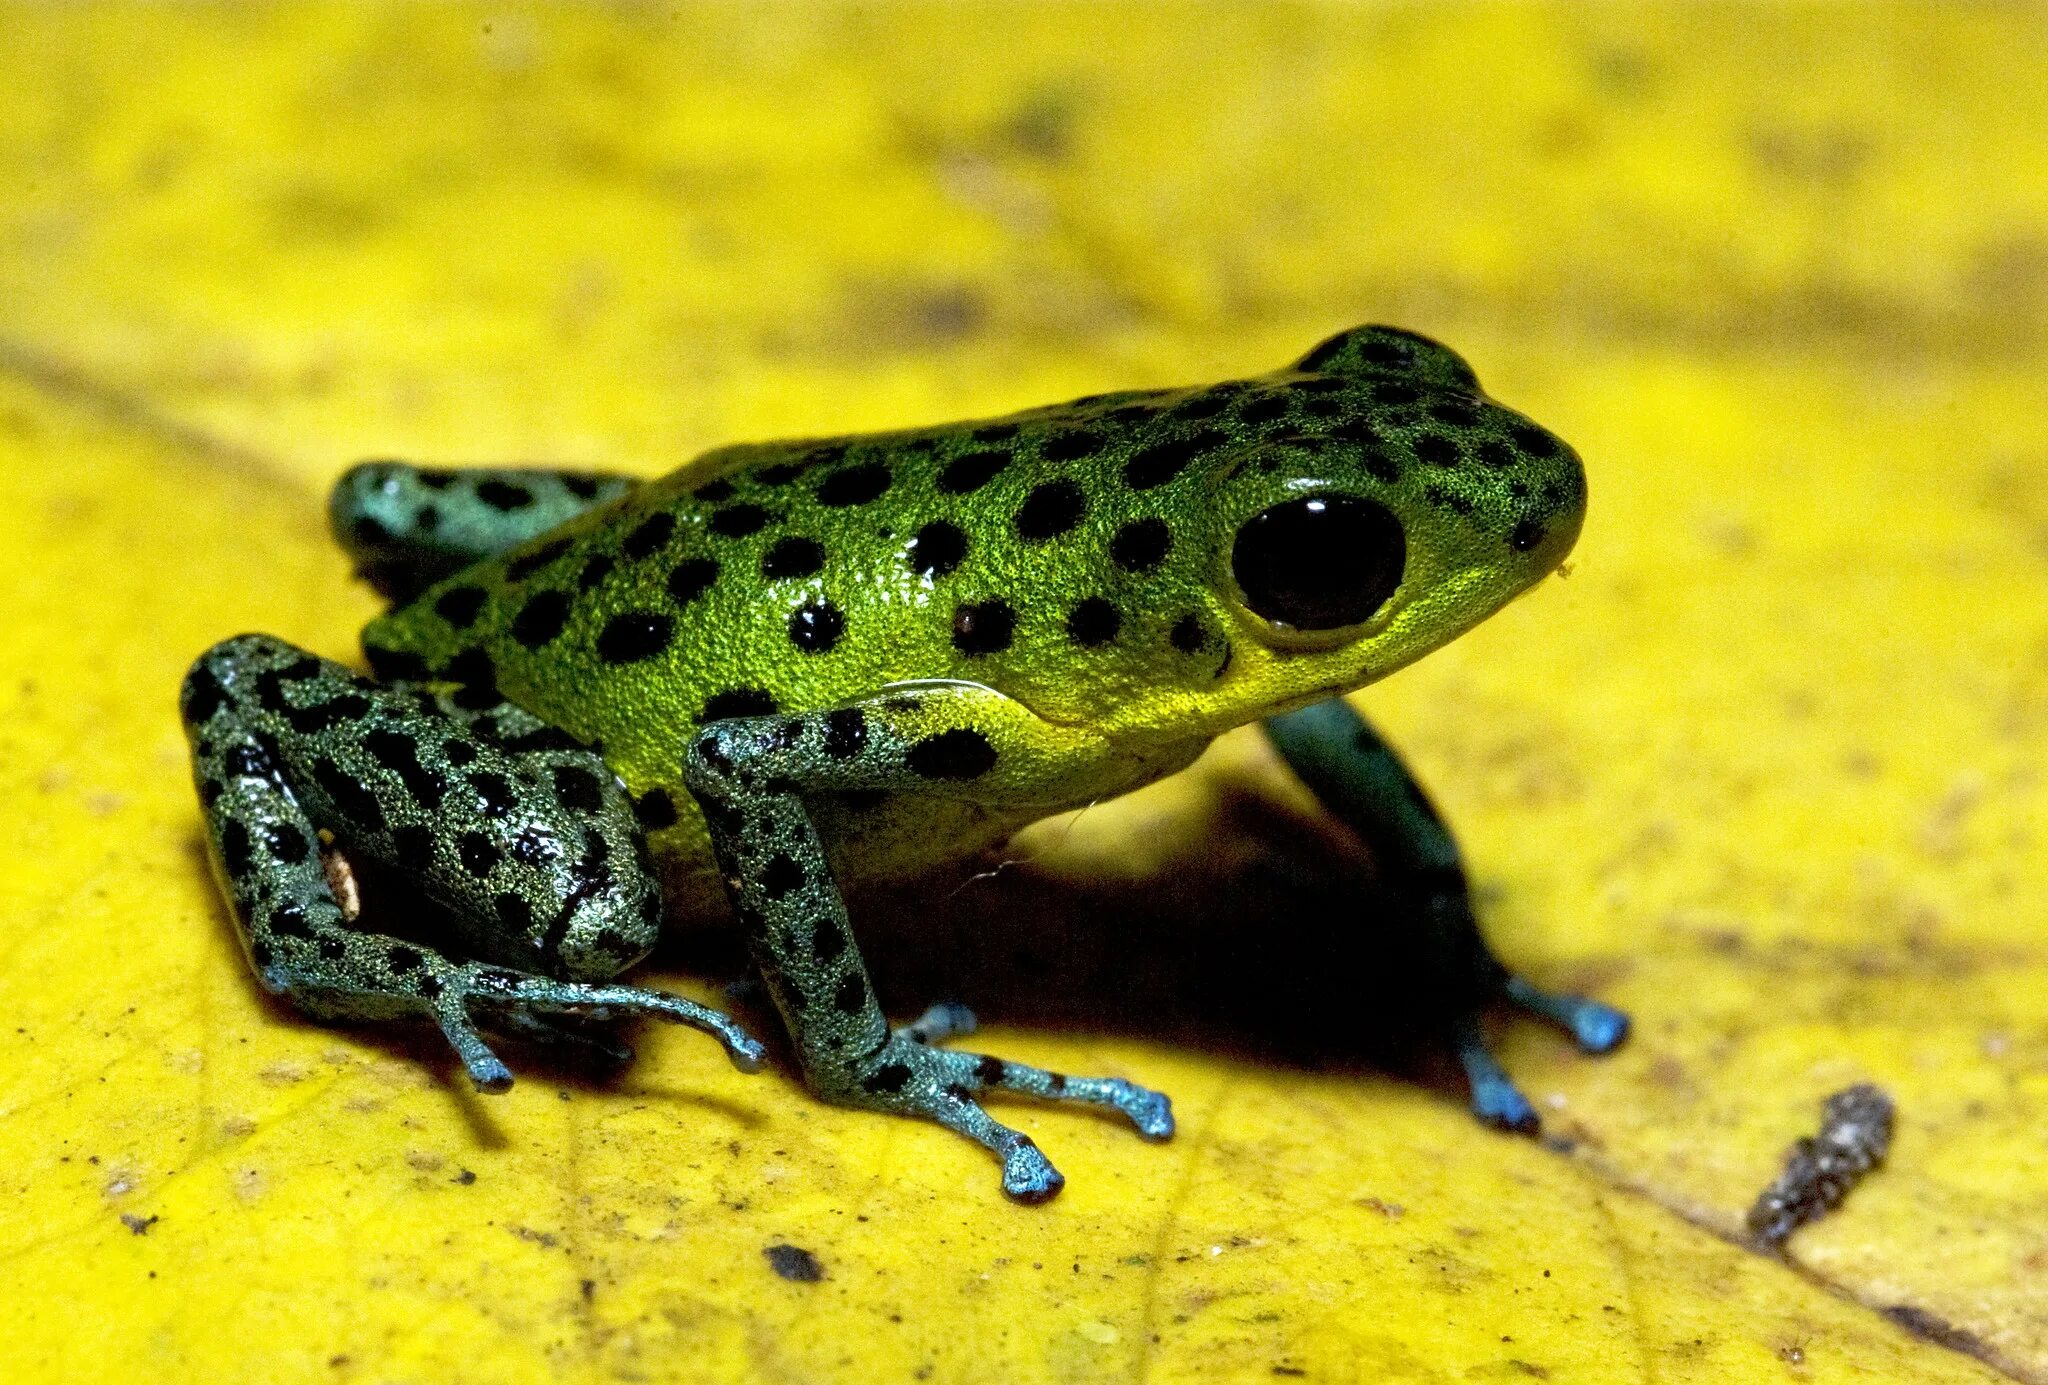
(407, 527)
(533, 852)
(1364, 784)
(752, 774)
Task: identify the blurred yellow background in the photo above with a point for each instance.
(1766, 769)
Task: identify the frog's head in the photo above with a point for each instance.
(1375, 527)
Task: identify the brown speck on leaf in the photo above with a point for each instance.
(1855, 1133)
(138, 1225)
(794, 1263)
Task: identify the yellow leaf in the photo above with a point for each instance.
(1767, 769)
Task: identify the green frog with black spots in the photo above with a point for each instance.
(788, 668)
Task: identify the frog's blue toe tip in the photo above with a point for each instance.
(490, 1076)
(1153, 1115)
(746, 1052)
(1028, 1176)
(1599, 1028)
(1500, 1105)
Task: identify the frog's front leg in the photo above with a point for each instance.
(1364, 784)
(523, 836)
(752, 776)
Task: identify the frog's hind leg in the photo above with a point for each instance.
(752, 776)
(531, 850)
(1364, 784)
(407, 527)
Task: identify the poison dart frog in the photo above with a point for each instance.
(599, 703)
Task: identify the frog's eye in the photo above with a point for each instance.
(1321, 562)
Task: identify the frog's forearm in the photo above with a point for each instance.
(1364, 784)
(751, 775)
(408, 527)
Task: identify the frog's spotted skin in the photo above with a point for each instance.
(898, 648)
(408, 527)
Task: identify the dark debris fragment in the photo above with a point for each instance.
(1855, 1133)
(794, 1263)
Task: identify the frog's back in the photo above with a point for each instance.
(1063, 556)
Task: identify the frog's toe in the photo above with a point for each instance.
(1028, 1176)
(503, 992)
(1150, 1111)
(1597, 1028)
(555, 1033)
(1495, 1098)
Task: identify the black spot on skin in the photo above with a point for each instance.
(291, 921)
(582, 487)
(1141, 545)
(1528, 535)
(323, 715)
(815, 628)
(594, 572)
(846, 732)
(714, 492)
(348, 794)
(473, 668)
(1187, 634)
(782, 473)
(1093, 622)
(400, 754)
(371, 533)
(890, 1077)
(395, 665)
(738, 521)
(413, 845)
(631, 636)
(856, 485)
(333, 949)
(434, 478)
(1050, 510)
(1266, 408)
(459, 752)
(961, 753)
(495, 792)
(1438, 450)
(794, 1263)
(541, 618)
(969, 473)
(478, 853)
(203, 696)
(1392, 393)
(983, 628)
(991, 1071)
(529, 848)
(1161, 462)
(995, 432)
(655, 809)
(403, 959)
(260, 953)
(1448, 500)
(828, 939)
(1495, 453)
(1071, 445)
(691, 578)
(737, 702)
(650, 535)
(503, 495)
(1380, 467)
(936, 549)
(519, 569)
(514, 913)
(781, 875)
(285, 842)
(850, 996)
(460, 606)
(793, 557)
(1453, 413)
(247, 762)
(577, 789)
(430, 986)
(235, 847)
(1533, 441)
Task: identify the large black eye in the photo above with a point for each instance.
(1319, 563)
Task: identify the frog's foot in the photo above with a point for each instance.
(1495, 1098)
(1597, 1028)
(909, 1077)
(515, 1001)
(592, 1042)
